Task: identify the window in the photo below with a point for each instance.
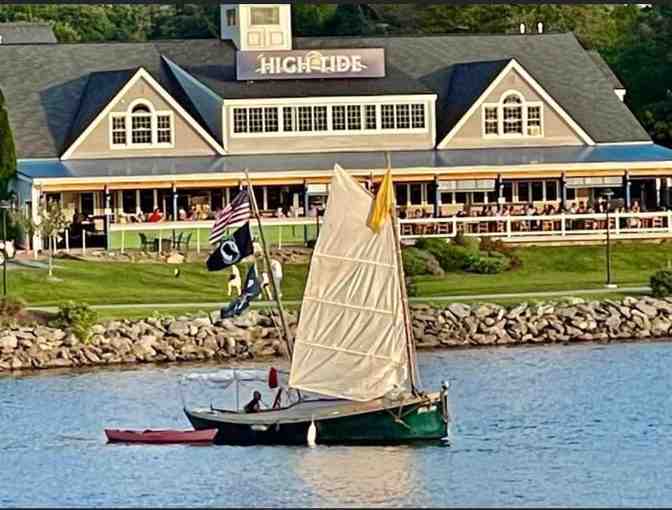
(320, 113)
(231, 17)
(533, 120)
(287, 119)
(240, 120)
(354, 117)
(305, 118)
(512, 114)
(256, 120)
(338, 118)
(537, 191)
(418, 116)
(164, 130)
(141, 125)
(551, 190)
(416, 194)
(371, 117)
(264, 16)
(119, 130)
(523, 192)
(387, 116)
(270, 120)
(401, 192)
(491, 121)
(403, 116)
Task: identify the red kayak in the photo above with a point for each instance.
(160, 436)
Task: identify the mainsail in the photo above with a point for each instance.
(351, 341)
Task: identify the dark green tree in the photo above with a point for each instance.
(7, 149)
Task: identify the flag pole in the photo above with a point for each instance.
(410, 343)
(267, 256)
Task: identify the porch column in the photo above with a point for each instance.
(500, 189)
(563, 192)
(137, 201)
(437, 198)
(34, 213)
(657, 192)
(107, 196)
(174, 202)
(627, 191)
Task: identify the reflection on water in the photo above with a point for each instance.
(582, 425)
(343, 475)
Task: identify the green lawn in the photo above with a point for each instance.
(543, 269)
(286, 234)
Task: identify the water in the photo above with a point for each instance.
(563, 426)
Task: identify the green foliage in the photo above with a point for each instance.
(492, 247)
(76, 317)
(451, 257)
(492, 264)
(10, 307)
(661, 283)
(419, 262)
(7, 148)
(470, 243)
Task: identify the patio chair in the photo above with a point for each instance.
(145, 243)
(186, 240)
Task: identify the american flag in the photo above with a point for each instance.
(238, 211)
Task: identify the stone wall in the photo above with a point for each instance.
(254, 335)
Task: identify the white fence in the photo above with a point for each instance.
(514, 229)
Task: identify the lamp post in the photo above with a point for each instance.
(608, 194)
(5, 205)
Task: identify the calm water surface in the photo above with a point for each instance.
(579, 425)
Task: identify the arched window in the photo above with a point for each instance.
(142, 126)
(512, 116)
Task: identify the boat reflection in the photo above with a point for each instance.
(340, 476)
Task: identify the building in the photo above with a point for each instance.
(112, 128)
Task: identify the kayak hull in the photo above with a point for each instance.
(160, 436)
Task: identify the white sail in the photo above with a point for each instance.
(351, 342)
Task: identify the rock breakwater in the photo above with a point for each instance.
(254, 335)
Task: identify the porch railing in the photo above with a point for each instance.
(514, 229)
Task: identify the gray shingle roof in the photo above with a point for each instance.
(49, 97)
(26, 33)
(606, 70)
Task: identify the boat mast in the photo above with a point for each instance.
(267, 256)
(410, 344)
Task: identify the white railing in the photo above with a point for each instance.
(542, 228)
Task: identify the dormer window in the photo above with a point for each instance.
(231, 17)
(141, 127)
(513, 117)
(264, 16)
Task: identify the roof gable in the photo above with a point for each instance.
(512, 65)
(94, 110)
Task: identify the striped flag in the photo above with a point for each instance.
(238, 211)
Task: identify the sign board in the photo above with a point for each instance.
(310, 64)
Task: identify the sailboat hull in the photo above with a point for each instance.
(336, 421)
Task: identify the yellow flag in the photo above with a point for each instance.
(383, 203)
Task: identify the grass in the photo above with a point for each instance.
(286, 234)
(543, 269)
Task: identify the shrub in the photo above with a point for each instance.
(451, 257)
(489, 265)
(661, 283)
(470, 243)
(495, 246)
(418, 262)
(78, 318)
(11, 306)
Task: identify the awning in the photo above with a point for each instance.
(468, 185)
(593, 182)
(279, 166)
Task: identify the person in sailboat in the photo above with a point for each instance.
(254, 405)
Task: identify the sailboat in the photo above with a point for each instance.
(353, 360)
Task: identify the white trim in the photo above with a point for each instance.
(514, 65)
(626, 143)
(142, 74)
(620, 93)
(290, 101)
(523, 105)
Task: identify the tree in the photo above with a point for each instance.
(51, 221)
(7, 148)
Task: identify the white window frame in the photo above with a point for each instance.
(499, 106)
(330, 131)
(231, 15)
(153, 114)
(270, 8)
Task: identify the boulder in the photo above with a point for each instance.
(459, 310)
(8, 343)
(646, 309)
